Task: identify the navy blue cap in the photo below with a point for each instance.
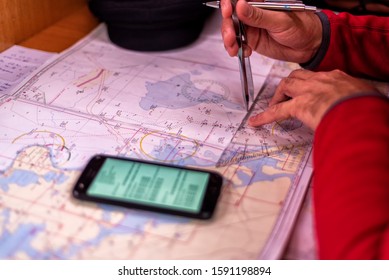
(151, 25)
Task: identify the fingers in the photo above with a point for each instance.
(249, 15)
(229, 37)
(291, 86)
(282, 107)
(226, 8)
(282, 92)
(260, 18)
(312, 93)
(302, 74)
(276, 112)
(227, 29)
(294, 108)
(254, 18)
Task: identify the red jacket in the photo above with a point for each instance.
(351, 145)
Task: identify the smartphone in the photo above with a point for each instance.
(149, 186)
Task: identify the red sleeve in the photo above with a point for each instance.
(351, 180)
(358, 45)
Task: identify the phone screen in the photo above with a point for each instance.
(149, 184)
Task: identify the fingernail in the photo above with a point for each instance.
(251, 120)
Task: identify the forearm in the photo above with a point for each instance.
(357, 45)
(351, 180)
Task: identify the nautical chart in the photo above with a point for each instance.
(183, 107)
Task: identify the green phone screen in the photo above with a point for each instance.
(149, 184)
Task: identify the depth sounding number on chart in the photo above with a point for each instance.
(244, 271)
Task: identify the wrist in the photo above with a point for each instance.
(317, 35)
(320, 41)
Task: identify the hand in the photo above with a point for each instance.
(291, 36)
(307, 96)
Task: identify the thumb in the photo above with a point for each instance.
(260, 18)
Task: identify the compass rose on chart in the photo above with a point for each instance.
(168, 147)
(207, 91)
(55, 142)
